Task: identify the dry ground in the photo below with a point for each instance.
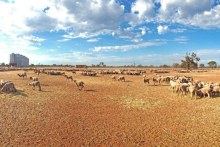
(107, 113)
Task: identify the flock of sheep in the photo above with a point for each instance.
(9, 86)
(181, 85)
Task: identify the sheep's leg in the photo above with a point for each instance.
(210, 94)
(39, 88)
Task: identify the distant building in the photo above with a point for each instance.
(18, 60)
(80, 66)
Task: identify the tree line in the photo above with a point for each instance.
(189, 61)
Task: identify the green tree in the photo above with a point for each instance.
(190, 61)
(102, 64)
(212, 64)
(201, 65)
(3, 64)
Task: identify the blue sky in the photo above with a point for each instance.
(116, 32)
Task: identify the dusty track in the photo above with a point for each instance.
(107, 113)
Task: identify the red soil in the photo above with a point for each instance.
(106, 113)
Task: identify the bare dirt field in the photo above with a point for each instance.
(106, 113)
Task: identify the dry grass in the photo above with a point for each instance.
(107, 113)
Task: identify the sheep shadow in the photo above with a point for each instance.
(44, 85)
(46, 91)
(90, 90)
(127, 81)
(19, 93)
(155, 85)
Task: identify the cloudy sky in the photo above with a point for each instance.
(116, 32)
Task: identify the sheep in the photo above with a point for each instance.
(114, 77)
(7, 87)
(182, 88)
(79, 84)
(192, 89)
(216, 90)
(206, 91)
(165, 79)
(146, 80)
(35, 83)
(34, 78)
(121, 78)
(37, 71)
(173, 85)
(22, 75)
(68, 77)
(156, 80)
(2, 82)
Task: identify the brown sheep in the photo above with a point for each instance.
(23, 75)
(68, 77)
(156, 80)
(146, 80)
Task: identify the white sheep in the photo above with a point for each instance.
(121, 78)
(34, 78)
(206, 91)
(79, 84)
(113, 77)
(8, 87)
(34, 84)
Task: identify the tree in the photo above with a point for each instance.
(176, 65)
(212, 64)
(164, 66)
(190, 61)
(140, 65)
(201, 65)
(102, 64)
(3, 64)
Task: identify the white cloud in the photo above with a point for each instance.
(85, 16)
(34, 39)
(93, 40)
(143, 30)
(207, 19)
(162, 29)
(179, 9)
(126, 47)
(143, 9)
(181, 39)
